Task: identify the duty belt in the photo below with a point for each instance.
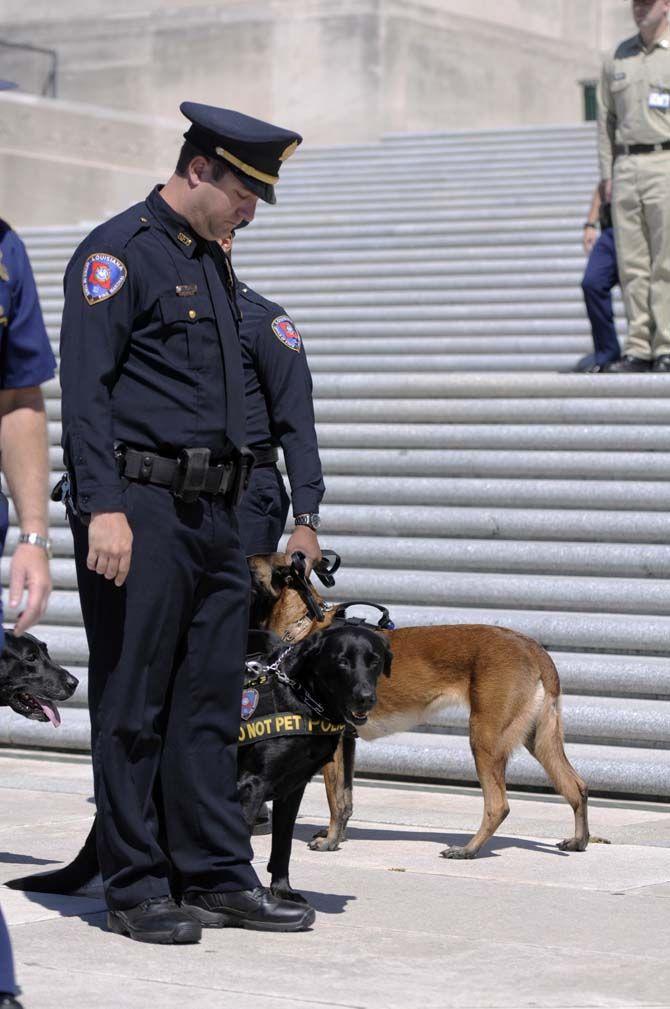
(641, 148)
(264, 455)
(190, 475)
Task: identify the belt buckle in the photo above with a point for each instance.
(192, 469)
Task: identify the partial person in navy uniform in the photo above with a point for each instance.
(279, 412)
(26, 360)
(153, 427)
(600, 277)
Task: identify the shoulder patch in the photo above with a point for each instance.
(103, 275)
(285, 331)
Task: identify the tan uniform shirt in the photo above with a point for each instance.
(634, 98)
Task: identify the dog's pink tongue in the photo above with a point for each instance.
(50, 710)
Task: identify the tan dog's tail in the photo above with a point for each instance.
(546, 744)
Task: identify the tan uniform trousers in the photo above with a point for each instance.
(641, 212)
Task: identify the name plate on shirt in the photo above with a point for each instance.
(659, 99)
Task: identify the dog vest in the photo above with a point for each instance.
(261, 719)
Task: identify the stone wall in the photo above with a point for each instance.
(340, 71)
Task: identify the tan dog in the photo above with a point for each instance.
(508, 681)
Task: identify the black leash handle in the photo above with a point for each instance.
(300, 582)
(326, 567)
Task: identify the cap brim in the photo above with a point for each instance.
(263, 190)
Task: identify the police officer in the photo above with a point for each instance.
(279, 411)
(153, 424)
(634, 151)
(600, 276)
(26, 361)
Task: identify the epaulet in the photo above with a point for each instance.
(119, 231)
(248, 294)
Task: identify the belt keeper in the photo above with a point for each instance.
(146, 466)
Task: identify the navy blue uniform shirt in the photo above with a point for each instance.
(26, 358)
(278, 391)
(149, 320)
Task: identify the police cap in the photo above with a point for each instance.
(254, 150)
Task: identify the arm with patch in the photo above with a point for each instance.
(28, 359)
(287, 387)
(93, 340)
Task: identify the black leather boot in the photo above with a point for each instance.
(157, 919)
(8, 1001)
(252, 909)
(628, 363)
(662, 363)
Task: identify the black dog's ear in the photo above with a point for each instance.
(310, 649)
(388, 658)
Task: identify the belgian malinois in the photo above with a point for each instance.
(507, 680)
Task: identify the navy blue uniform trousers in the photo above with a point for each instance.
(165, 680)
(600, 277)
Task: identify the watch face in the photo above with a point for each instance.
(315, 521)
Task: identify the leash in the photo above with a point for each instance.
(264, 673)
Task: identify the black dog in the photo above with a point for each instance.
(318, 686)
(30, 681)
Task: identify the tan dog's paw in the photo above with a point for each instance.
(455, 852)
(320, 842)
(572, 844)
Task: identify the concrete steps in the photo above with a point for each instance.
(468, 481)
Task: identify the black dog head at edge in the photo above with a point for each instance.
(30, 681)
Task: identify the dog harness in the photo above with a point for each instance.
(261, 717)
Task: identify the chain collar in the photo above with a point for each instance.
(261, 673)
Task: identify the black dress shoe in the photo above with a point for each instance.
(661, 363)
(629, 363)
(253, 909)
(9, 1001)
(157, 919)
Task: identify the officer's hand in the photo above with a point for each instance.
(590, 237)
(110, 544)
(29, 570)
(306, 541)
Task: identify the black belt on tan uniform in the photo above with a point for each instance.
(190, 475)
(641, 148)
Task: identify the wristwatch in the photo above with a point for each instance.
(310, 519)
(35, 540)
(591, 224)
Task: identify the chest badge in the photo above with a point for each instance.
(250, 698)
(285, 331)
(102, 277)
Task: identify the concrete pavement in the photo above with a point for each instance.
(524, 925)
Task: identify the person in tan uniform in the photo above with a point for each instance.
(634, 154)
